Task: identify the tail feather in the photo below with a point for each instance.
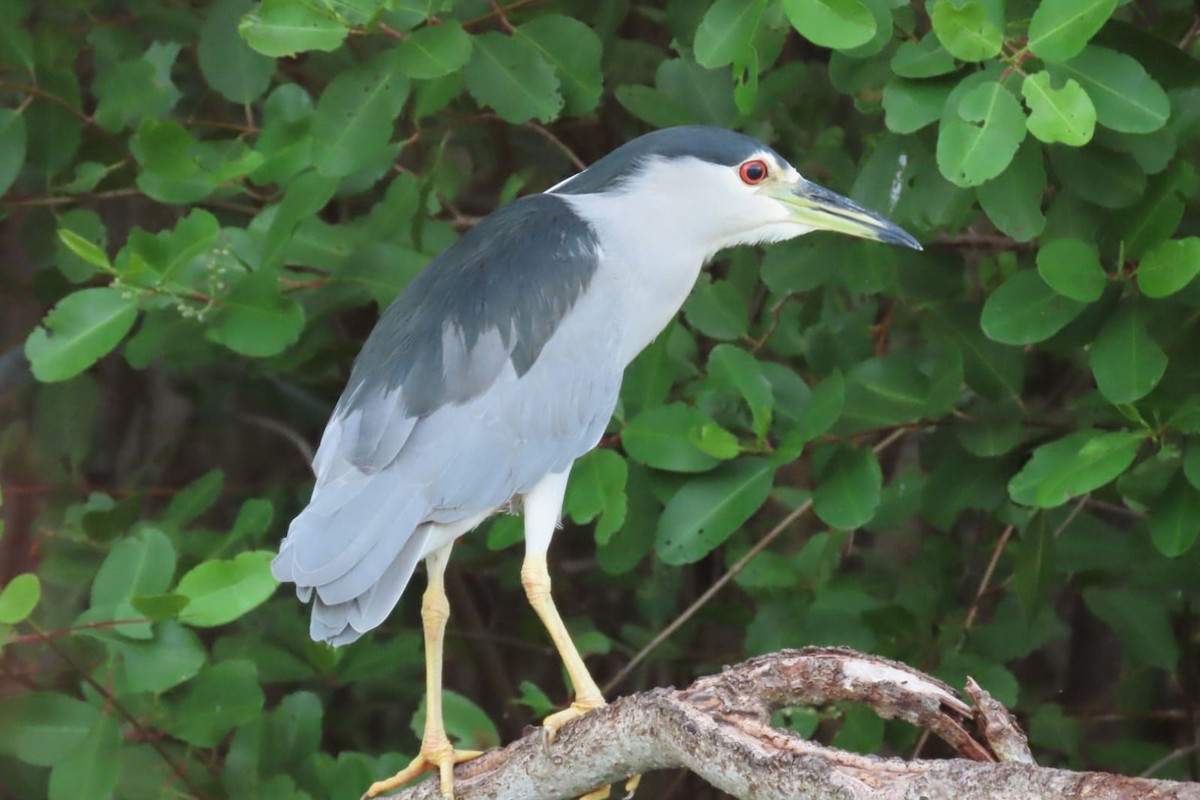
(352, 551)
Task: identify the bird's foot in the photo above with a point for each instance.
(436, 756)
(552, 724)
(555, 722)
(604, 791)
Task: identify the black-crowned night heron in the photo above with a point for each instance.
(500, 365)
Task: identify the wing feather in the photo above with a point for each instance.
(491, 370)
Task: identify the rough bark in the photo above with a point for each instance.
(720, 728)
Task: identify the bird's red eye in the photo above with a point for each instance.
(753, 172)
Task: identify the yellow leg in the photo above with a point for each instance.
(536, 580)
(437, 754)
(541, 507)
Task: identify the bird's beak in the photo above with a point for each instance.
(820, 209)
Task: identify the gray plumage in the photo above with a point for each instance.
(501, 363)
(454, 407)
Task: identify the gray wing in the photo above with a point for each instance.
(492, 369)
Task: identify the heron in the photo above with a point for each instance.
(500, 364)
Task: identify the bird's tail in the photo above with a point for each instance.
(352, 551)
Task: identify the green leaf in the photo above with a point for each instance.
(1175, 519)
(42, 728)
(707, 510)
(823, 408)
(221, 697)
(1169, 267)
(1033, 572)
(706, 94)
(1072, 268)
(158, 607)
(923, 59)
(716, 441)
(256, 319)
(1191, 461)
(355, 114)
(19, 598)
(140, 564)
(740, 370)
(1157, 214)
(837, 24)
(253, 519)
(195, 498)
(305, 196)
(1061, 28)
(1013, 199)
(1102, 177)
(1126, 98)
(1024, 310)
(861, 732)
(574, 50)
(107, 523)
(883, 391)
(911, 105)
(226, 61)
(511, 76)
(1063, 115)
(170, 657)
(434, 51)
(717, 309)
(726, 32)
(83, 327)
(1125, 359)
(661, 438)
(16, 45)
(966, 30)
(535, 699)
(88, 226)
(1076, 464)
(1140, 623)
(171, 171)
(849, 488)
(12, 147)
(994, 371)
(466, 723)
(137, 89)
(221, 591)
(597, 489)
(977, 145)
(991, 429)
(88, 251)
(95, 763)
(279, 28)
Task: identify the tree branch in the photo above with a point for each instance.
(720, 728)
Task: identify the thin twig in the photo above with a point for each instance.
(45, 636)
(729, 575)
(1192, 33)
(546, 134)
(987, 578)
(143, 733)
(499, 13)
(61, 200)
(1174, 755)
(38, 91)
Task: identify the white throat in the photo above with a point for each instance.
(662, 226)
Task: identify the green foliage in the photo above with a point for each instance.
(987, 454)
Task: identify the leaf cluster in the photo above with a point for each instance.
(980, 459)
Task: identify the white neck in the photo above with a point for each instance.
(658, 230)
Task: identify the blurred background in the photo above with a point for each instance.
(981, 459)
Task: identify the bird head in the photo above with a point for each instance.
(723, 189)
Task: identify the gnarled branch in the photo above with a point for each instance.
(720, 728)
